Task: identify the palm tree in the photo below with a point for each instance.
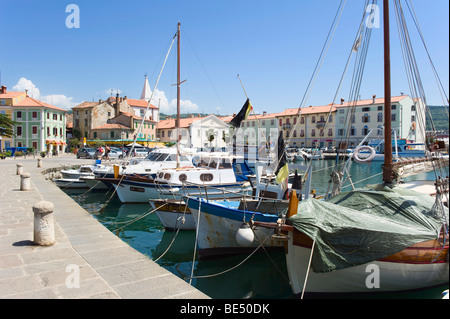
(6, 126)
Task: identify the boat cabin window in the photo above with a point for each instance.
(167, 176)
(172, 157)
(182, 177)
(162, 157)
(161, 175)
(224, 163)
(206, 177)
(213, 164)
(152, 156)
(203, 162)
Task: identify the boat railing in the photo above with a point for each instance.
(206, 191)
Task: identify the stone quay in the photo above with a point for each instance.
(84, 261)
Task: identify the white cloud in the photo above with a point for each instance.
(160, 99)
(58, 100)
(25, 84)
(65, 102)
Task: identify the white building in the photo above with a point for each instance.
(199, 132)
(361, 116)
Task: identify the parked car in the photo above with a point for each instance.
(119, 150)
(86, 152)
(116, 154)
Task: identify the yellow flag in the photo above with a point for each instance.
(283, 173)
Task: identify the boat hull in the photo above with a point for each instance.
(94, 184)
(410, 269)
(138, 192)
(218, 225)
(173, 215)
(69, 183)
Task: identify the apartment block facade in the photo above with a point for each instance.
(39, 125)
(354, 120)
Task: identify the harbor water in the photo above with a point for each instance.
(262, 276)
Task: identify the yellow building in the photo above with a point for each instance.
(312, 126)
(7, 99)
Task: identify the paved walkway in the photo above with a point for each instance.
(108, 267)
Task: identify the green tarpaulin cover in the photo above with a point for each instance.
(366, 224)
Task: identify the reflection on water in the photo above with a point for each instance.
(262, 276)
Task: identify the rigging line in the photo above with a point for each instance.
(358, 72)
(324, 48)
(196, 239)
(309, 266)
(270, 258)
(358, 34)
(317, 68)
(414, 70)
(357, 79)
(234, 267)
(138, 130)
(409, 50)
(362, 180)
(254, 114)
(204, 69)
(176, 234)
(138, 218)
(416, 22)
(407, 62)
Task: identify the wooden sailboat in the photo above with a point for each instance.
(422, 264)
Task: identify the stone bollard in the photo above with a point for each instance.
(39, 162)
(19, 168)
(44, 225)
(25, 182)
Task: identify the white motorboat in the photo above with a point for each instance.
(83, 170)
(158, 159)
(69, 183)
(214, 177)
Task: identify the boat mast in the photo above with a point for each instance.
(387, 168)
(178, 96)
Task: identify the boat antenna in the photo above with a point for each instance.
(243, 88)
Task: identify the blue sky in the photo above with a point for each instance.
(273, 45)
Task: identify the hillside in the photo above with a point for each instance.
(439, 114)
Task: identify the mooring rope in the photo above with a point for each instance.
(232, 268)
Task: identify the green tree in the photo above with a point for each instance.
(6, 126)
(210, 136)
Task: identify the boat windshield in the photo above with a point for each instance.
(173, 157)
(225, 163)
(157, 157)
